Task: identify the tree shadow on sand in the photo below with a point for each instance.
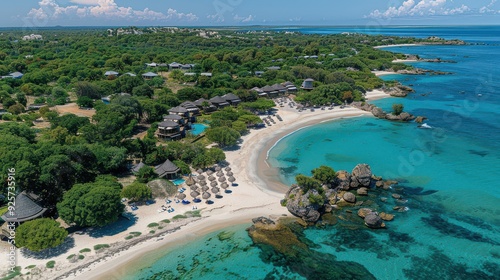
(68, 244)
(114, 228)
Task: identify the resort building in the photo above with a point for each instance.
(111, 74)
(149, 75)
(169, 130)
(175, 118)
(130, 74)
(307, 84)
(180, 111)
(167, 170)
(219, 102)
(26, 210)
(13, 75)
(191, 108)
(36, 106)
(135, 169)
(232, 99)
(205, 105)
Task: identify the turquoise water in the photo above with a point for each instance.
(210, 257)
(198, 128)
(452, 228)
(178, 182)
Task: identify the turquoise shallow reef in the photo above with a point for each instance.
(449, 173)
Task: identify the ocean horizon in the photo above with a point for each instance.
(451, 227)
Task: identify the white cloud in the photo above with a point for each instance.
(249, 18)
(85, 2)
(488, 8)
(420, 8)
(105, 9)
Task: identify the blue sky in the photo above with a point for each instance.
(40, 13)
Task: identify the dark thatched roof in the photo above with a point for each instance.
(165, 168)
(137, 167)
(26, 209)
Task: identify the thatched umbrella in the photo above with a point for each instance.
(218, 168)
(190, 181)
(193, 187)
(224, 185)
(206, 195)
(231, 179)
(181, 196)
(199, 171)
(210, 172)
(195, 194)
(203, 183)
(200, 177)
(211, 178)
(222, 179)
(213, 184)
(219, 174)
(215, 190)
(205, 188)
(227, 168)
(229, 173)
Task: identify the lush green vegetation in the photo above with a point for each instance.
(40, 234)
(50, 264)
(85, 250)
(137, 192)
(397, 109)
(100, 246)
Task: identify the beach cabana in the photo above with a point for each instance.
(210, 172)
(227, 168)
(205, 188)
(211, 178)
(200, 177)
(213, 184)
(181, 196)
(219, 174)
(224, 185)
(190, 181)
(215, 190)
(206, 195)
(167, 170)
(222, 179)
(203, 183)
(194, 194)
(229, 173)
(26, 210)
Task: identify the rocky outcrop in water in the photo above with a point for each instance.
(283, 244)
(345, 190)
(399, 90)
(379, 113)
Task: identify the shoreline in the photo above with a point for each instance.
(258, 194)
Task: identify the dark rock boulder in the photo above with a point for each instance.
(300, 206)
(403, 117)
(349, 197)
(363, 212)
(343, 180)
(372, 220)
(362, 173)
(362, 191)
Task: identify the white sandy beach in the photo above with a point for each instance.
(258, 194)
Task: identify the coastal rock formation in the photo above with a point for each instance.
(363, 212)
(372, 220)
(379, 113)
(362, 174)
(399, 90)
(349, 197)
(362, 191)
(285, 245)
(301, 206)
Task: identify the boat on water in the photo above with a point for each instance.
(424, 125)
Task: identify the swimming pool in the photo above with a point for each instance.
(178, 182)
(198, 128)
